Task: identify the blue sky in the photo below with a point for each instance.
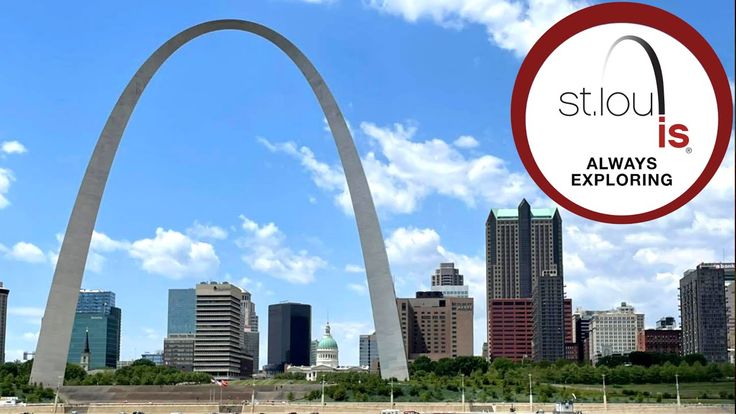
(227, 172)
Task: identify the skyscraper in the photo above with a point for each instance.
(3, 319)
(524, 261)
(182, 326)
(219, 338)
(703, 312)
(250, 330)
(289, 332)
(97, 320)
(448, 280)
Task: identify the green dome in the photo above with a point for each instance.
(327, 342)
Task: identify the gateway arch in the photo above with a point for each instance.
(56, 328)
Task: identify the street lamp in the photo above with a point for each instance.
(605, 402)
(392, 393)
(323, 392)
(462, 386)
(677, 386)
(531, 399)
(253, 398)
(56, 397)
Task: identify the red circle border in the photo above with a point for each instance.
(621, 12)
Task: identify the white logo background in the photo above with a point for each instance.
(562, 145)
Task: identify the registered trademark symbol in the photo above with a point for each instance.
(688, 150)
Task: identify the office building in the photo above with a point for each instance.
(510, 328)
(4, 292)
(435, 326)
(96, 322)
(251, 336)
(178, 349)
(581, 331)
(667, 322)
(524, 261)
(179, 352)
(155, 357)
(613, 332)
(703, 312)
(447, 275)
(666, 341)
(289, 332)
(731, 315)
(182, 312)
(448, 280)
(219, 337)
(368, 352)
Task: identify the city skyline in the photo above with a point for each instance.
(188, 225)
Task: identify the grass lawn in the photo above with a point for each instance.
(712, 392)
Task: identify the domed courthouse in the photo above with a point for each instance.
(327, 359)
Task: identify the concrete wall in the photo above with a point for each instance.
(354, 408)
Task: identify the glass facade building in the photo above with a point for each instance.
(182, 312)
(289, 332)
(98, 318)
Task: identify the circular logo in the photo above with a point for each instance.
(621, 113)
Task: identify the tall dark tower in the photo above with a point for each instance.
(524, 281)
(4, 292)
(289, 334)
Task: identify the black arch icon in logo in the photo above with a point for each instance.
(656, 67)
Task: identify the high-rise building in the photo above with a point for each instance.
(368, 352)
(666, 322)
(447, 275)
(524, 260)
(435, 326)
(731, 313)
(289, 332)
(581, 330)
(219, 338)
(251, 336)
(703, 312)
(98, 321)
(613, 332)
(448, 280)
(4, 292)
(182, 319)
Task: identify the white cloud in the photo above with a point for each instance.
(512, 25)
(466, 141)
(644, 238)
(353, 268)
(205, 231)
(30, 336)
(405, 172)
(12, 147)
(24, 252)
(265, 252)
(358, 288)
(29, 314)
(6, 177)
(679, 258)
(175, 255)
